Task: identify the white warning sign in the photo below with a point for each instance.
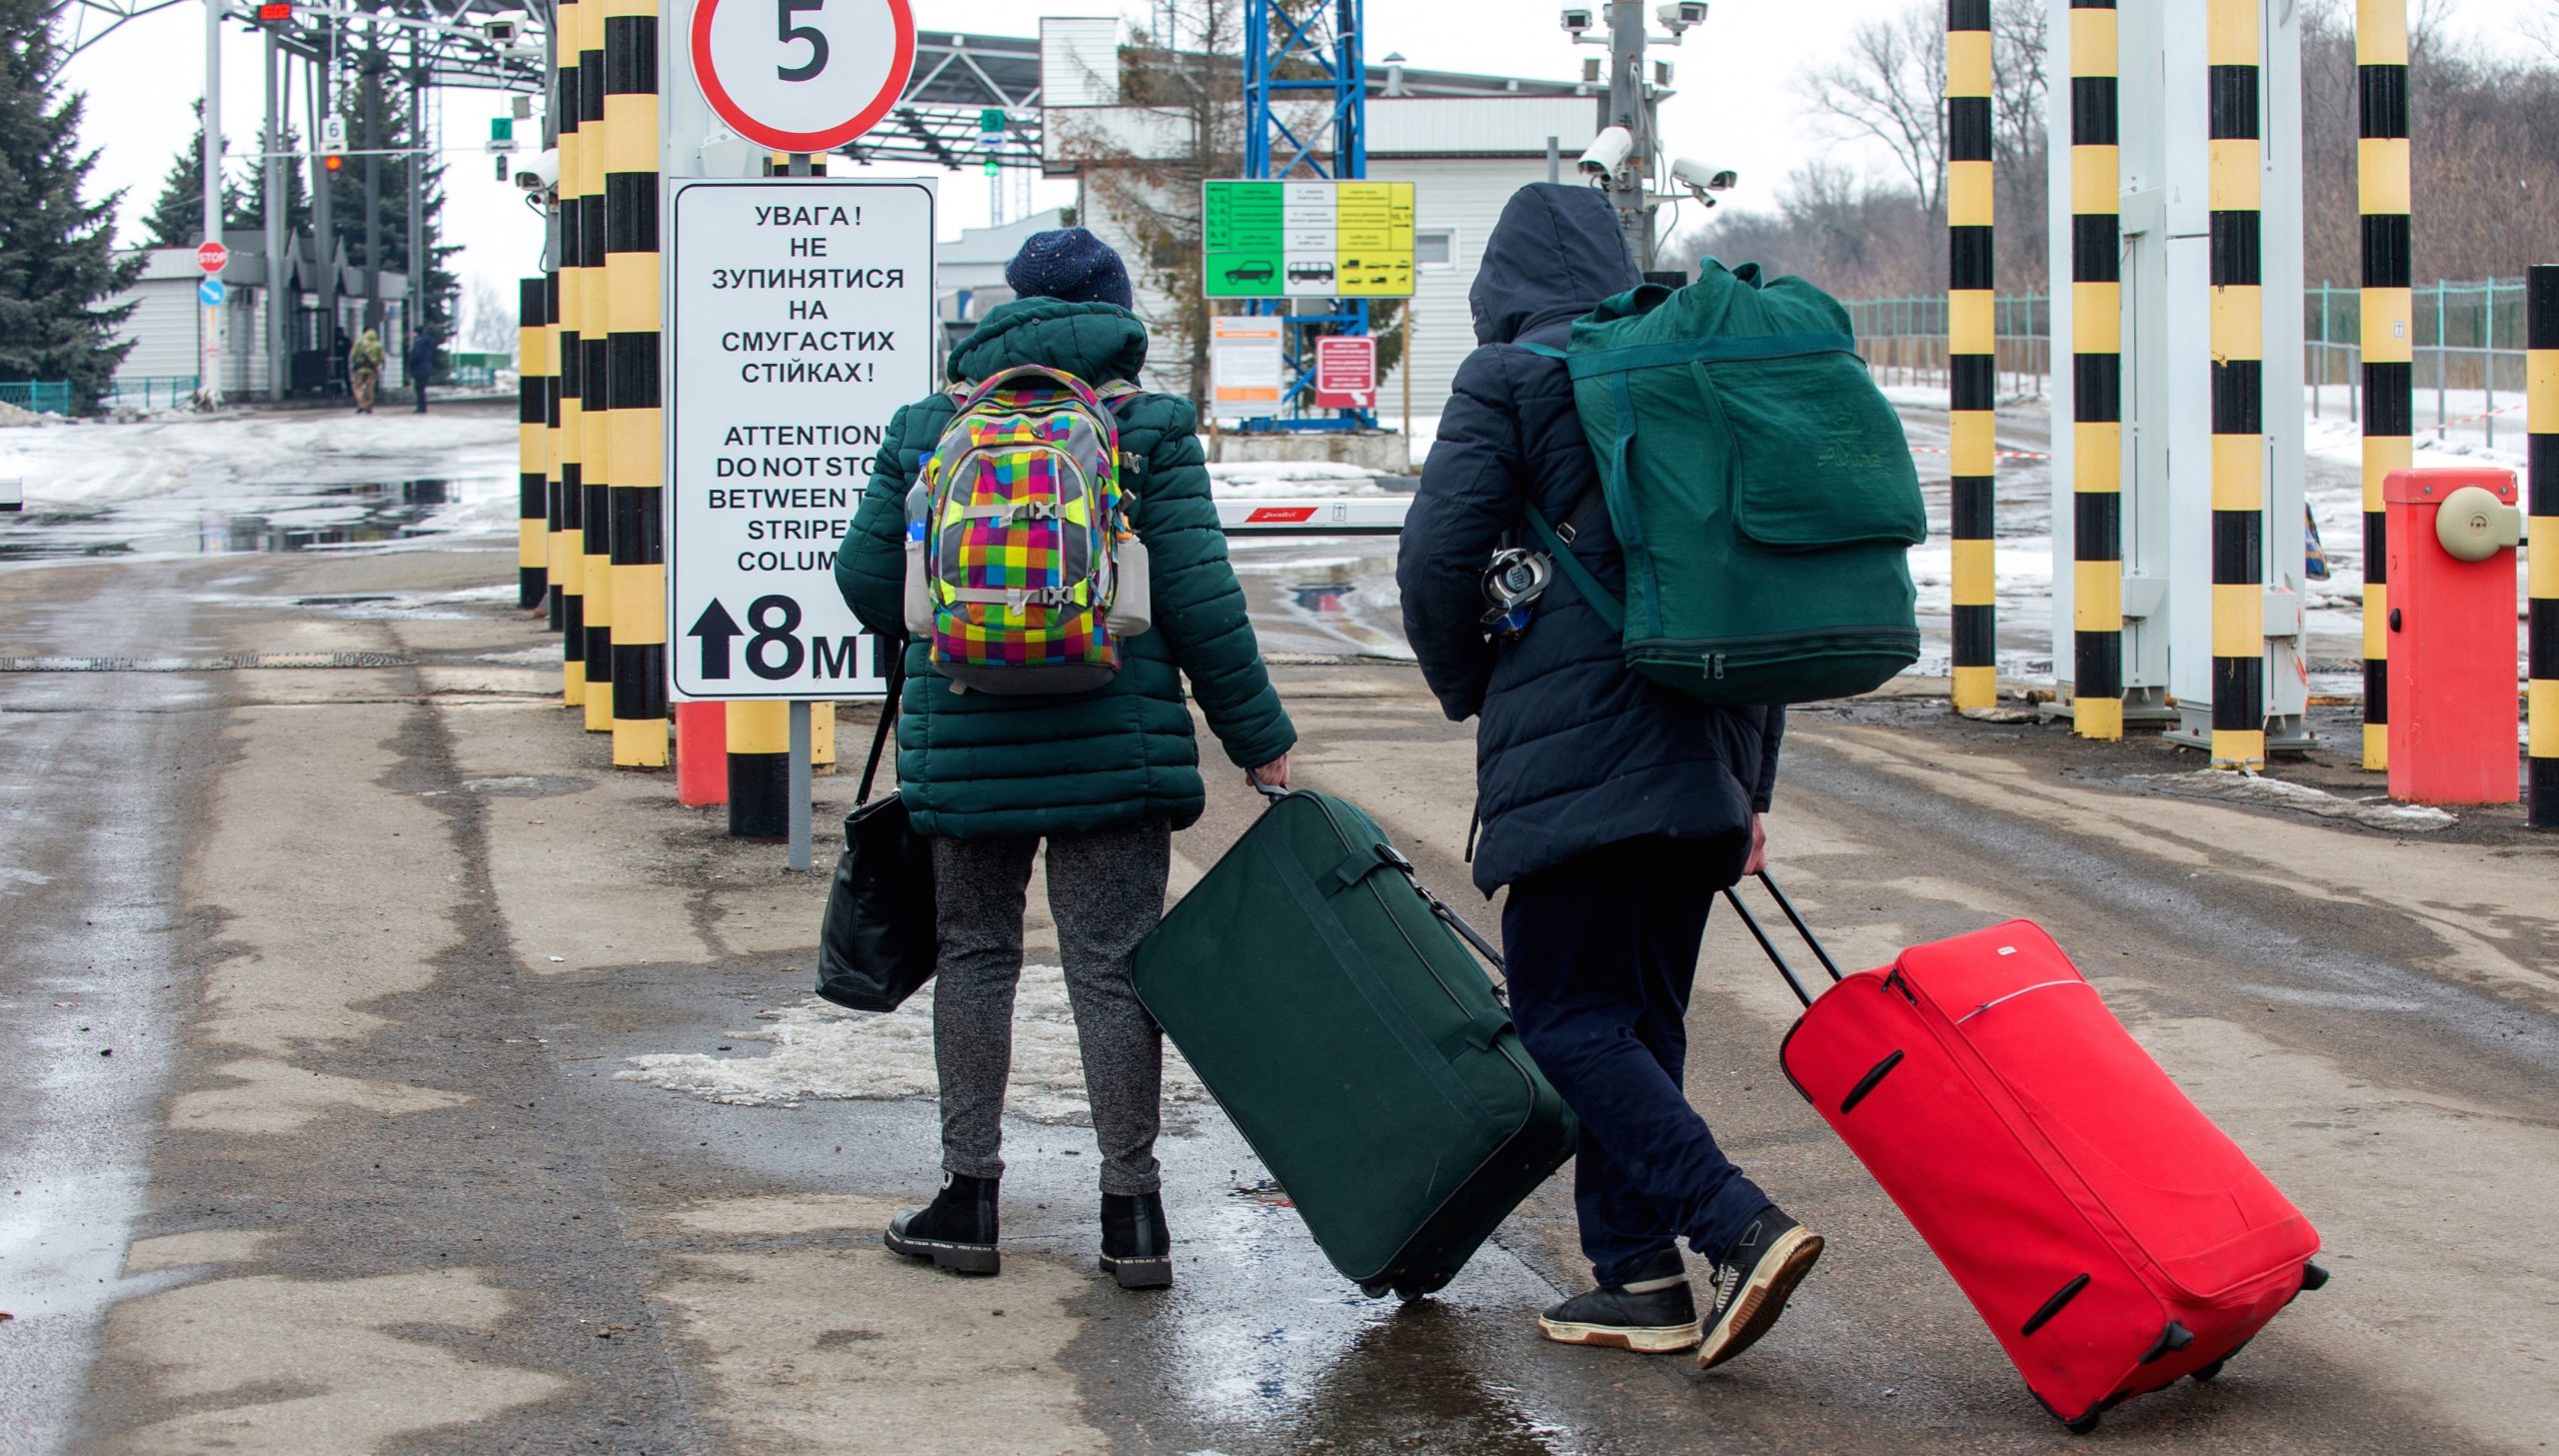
(801, 318)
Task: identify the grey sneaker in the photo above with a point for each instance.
(1767, 1259)
(1653, 1313)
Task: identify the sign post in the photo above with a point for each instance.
(800, 320)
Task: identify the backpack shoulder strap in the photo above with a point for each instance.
(1601, 599)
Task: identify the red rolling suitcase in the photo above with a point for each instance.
(2115, 1239)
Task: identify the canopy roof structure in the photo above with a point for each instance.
(452, 44)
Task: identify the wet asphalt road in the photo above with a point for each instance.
(372, 947)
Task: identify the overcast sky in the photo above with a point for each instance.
(1735, 103)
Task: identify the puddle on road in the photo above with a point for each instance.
(253, 517)
(1329, 595)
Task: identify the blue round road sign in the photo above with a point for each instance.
(209, 292)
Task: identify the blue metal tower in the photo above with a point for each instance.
(1302, 63)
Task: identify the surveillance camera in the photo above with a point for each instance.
(538, 173)
(500, 32)
(1577, 21)
(1702, 177)
(1680, 17)
(1607, 152)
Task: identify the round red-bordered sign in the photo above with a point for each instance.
(765, 109)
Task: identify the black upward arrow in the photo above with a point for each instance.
(716, 629)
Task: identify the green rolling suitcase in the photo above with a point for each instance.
(1328, 1004)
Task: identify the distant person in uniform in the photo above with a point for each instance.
(421, 362)
(1615, 808)
(364, 368)
(1103, 777)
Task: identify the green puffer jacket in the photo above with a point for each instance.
(977, 765)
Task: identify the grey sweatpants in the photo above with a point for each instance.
(1106, 891)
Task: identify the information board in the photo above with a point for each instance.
(1345, 371)
(1308, 239)
(1246, 360)
(800, 320)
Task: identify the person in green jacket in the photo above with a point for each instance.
(1104, 776)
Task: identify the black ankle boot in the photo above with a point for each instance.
(957, 1230)
(1136, 1249)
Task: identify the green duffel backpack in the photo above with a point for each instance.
(1759, 485)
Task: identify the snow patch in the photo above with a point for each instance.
(821, 1052)
(2276, 793)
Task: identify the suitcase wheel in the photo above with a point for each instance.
(2313, 1275)
(2081, 1426)
(1376, 1291)
(2208, 1372)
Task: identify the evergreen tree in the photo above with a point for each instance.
(57, 258)
(297, 192)
(176, 220)
(443, 292)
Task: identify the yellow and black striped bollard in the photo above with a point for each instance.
(568, 565)
(633, 421)
(2385, 330)
(2096, 364)
(552, 535)
(533, 446)
(594, 342)
(1971, 345)
(2232, 45)
(2541, 547)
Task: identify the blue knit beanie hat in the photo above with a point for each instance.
(1072, 265)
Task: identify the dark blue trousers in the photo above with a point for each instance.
(1603, 952)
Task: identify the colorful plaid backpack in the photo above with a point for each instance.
(1021, 518)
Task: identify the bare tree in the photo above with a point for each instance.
(488, 320)
(1890, 89)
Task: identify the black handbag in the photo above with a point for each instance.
(879, 942)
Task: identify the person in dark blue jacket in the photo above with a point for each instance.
(1614, 809)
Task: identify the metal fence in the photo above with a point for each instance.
(2469, 338)
(45, 397)
(149, 391)
(1904, 341)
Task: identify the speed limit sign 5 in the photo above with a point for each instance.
(802, 75)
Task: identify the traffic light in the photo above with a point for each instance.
(333, 142)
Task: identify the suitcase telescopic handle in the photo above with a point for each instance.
(1793, 982)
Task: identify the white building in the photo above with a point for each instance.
(166, 326)
(1466, 142)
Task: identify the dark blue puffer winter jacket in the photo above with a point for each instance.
(1574, 753)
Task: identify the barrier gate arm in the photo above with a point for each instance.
(1315, 515)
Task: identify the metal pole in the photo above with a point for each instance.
(799, 858)
(1971, 357)
(2384, 328)
(2488, 360)
(2541, 553)
(1631, 107)
(2440, 411)
(414, 170)
(2235, 48)
(1405, 368)
(373, 189)
(279, 296)
(1554, 158)
(210, 365)
(324, 224)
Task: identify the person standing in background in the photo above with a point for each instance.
(421, 362)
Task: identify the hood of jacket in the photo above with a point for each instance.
(1557, 252)
(1096, 342)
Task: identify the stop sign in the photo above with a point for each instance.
(211, 256)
